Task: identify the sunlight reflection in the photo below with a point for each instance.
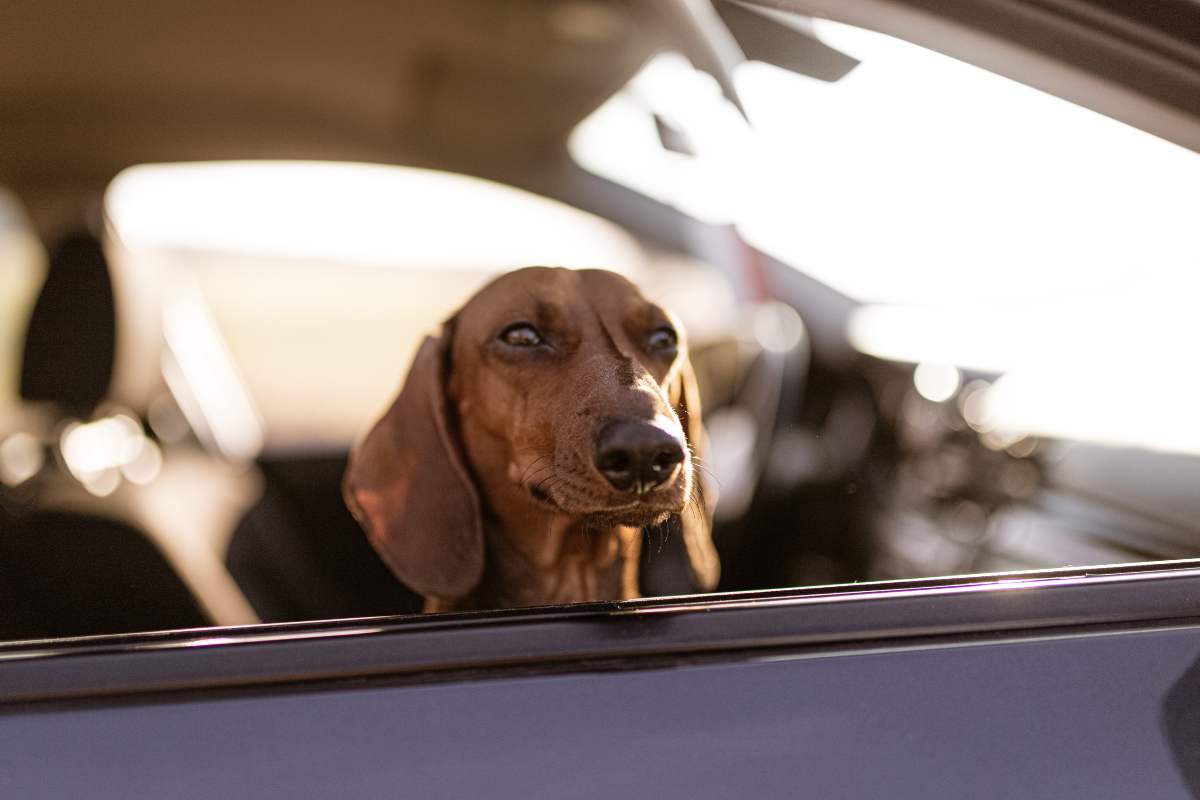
(936, 382)
(21, 457)
(366, 214)
(620, 140)
(918, 178)
(99, 453)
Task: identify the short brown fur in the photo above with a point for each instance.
(478, 486)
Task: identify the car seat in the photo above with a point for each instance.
(64, 573)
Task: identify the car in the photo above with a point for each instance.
(934, 261)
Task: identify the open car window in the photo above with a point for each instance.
(939, 319)
(937, 398)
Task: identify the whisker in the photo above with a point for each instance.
(540, 478)
(695, 503)
(546, 484)
(711, 475)
(533, 468)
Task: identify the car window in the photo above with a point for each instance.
(938, 321)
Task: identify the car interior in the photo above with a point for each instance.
(939, 327)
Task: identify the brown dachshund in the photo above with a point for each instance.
(552, 421)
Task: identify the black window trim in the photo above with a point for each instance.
(737, 625)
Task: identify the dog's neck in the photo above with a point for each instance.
(551, 561)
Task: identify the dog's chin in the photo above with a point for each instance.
(637, 513)
(635, 517)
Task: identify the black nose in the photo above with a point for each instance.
(636, 456)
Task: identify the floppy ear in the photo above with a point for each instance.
(695, 520)
(408, 488)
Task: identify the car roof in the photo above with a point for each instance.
(88, 89)
(487, 87)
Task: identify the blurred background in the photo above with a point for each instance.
(941, 320)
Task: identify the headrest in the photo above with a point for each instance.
(71, 339)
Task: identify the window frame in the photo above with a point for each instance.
(626, 635)
(1129, 64)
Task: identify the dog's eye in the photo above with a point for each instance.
(521, 334)
(662, 340)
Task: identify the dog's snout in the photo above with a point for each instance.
(636, 456)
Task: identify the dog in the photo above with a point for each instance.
(552, 421)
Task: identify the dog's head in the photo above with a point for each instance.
(551, 393)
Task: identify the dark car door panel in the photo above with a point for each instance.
(1051, 685)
